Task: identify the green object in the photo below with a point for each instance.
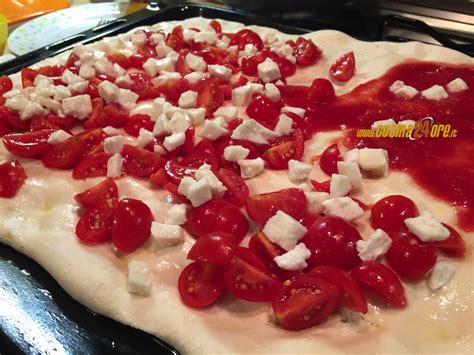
(3, 32)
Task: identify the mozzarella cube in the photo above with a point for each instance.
(298, 171)
(299, 111)
(161, 127)
(158, 149)
(196, 115)
(176, 214)
(162, 50)
(383, 123)
(294, 259)
(188, 99)
(166, 235)
(223, 43)
(272, 92)
(179, 122)
(139, 278)
(17, 103)
(79, 87)
(31, 110)
(242, 95)
(343, 207)
(252, 131)
(208, 37)
(249, 50)
(195, 62)
(114, 166)
(108, 91)
(374, 161)
(212, 130)
(165, 65)
(79, 106)
(124, 80)
(127, 98)
(284, 125)
(138, 38)
(268, 70)
(157, 38)
(235, 153)
(284, 230)
(174, 141)
(398, 84)
(70, 78)
(58, 137)
(164, 77)
(199, 193)
(150, 67)
(87, 71)
(376, 245)
(145, 137)
(111, 131)
(315, 201)
(228, 112)
(352, 171)
(442, 272)
(427, 227)
(352, 155)
(457, 85)
(407, 92)
(61, 93)
(195, 76)
(217, 187)
(436, 93)
(340, 186)
(250, 168)
(220, 71)
(160, 106)
(113, 145)
(185, 184)
(188, 34)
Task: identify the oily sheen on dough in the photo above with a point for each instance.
(40, 222)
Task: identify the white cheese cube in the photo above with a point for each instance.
(272, 92)
(188, 34)
(208, 37)
(108, 91)
(162, 50)
(165, 65)
(164, 77)
(217, 187)
(157, 38)
(161, 127)
(185, 184)
(374, 161)
(12, 93)
(298, 171)
(376, 245)
(249, 50)
(111, 131)
(457, 85)
(220, 71)
(79, 106)
(284, 230)
(127, 98)
(299, 111)
(150, 67)
(250, 168)
(124, 81)
(113, 145)
(70, 78)
(268, 70)
(315, 201)
(195, 76)
(173, 55)
(427, 227)
(284, 125)
(159, 107)
(398, 84)
(442, 272)
(343, 207)
(199, 193)
(242, 95)
(212, 130)
(188, 99)
(114, 166)
(17, 103)
(235, 152)
(228, 112)
(139, 278)
(176, 214)
(58, 137)
(31, 110)
(223, 43)
(352, 171)
(252, 131)
(340, 186)
(138, 38)
(294, 259)
(166, 235)
(195, 62)
(145, 137)
(352, 155)
(196, 115)
(118, 71)
(383, 123)
(436, 93)
(87, 71)
(179, 122)
(79, 88)
(407, 92)
(158, 149)
(174, 141)
(61, 92)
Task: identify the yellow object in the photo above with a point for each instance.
(3, 33)
(21, 10)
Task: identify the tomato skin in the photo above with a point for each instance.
(329, 159)
(322, 91)
(390, 212)
(94, 165)
(351, 294)
(28, 144)
(215, 247)
(42, 123)
(28, 77)
(97, 110)
(332, 241)
(343, 69)
(113, 115)
(5, 128)
(377, 277)
(293, 91)
(305, 302)
(216, 26)
(140, 162)
(131, 225)
(306, 52)
(6, 84)
(321, 186)
(230, 219)
(246, 36)
(12, 118)
(261, 207)
(284, 149)
(175, 39)
(105, 192)
(12, 177)
(453, 246)
(237, 190)
(247, 277)
(210, 97)
(65, 155)
(286, 67)
(223, 143)
(95, 225)
(263, 110)
(409, 257)
(201, 284)
(175, 171)
(200, 220)
(173, 89)
(136, 122)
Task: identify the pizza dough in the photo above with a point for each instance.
(40, 222)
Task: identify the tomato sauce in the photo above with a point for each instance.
(442, 166)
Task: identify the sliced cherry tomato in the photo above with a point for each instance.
(159, 178)
(300, 123)
(182, 66)
(250, 64)
(201, 283)
(216, 26)
(175, 171)
(305, 302)
(12, 118)
(188, 148)
(215, 247)
(210, 97)
(5, 128)
(91, 166)
(105, 192)
(321, 91)
(352, 295)
(263, 110)
(140, 162)
(66, 154)
(292, 91)
(453, 246)
(97, 109)
(332, 241)
(28, 144)
(306, 52)
(131, 225)
(286, 67)
(120, 59)
(137, 61)
(409, 257)
(113, 115)
(94, 139)
(172, 89)
(343, 68)
(28, 77)
(201, 220)
(282, 151)
(95, 225)
(247, 278)
(175, 39)
(244, 37)
(309, 219)
(329, 159)
(42, 123)
(390, 212)
(64, 122)
(237, 190)
(321, 186)
(6, 84)
(12, 177)
(379, 278)
(71, 60)
(137, 122)
(51, 70)
(230, 219)
(291, 201)
(203, 153)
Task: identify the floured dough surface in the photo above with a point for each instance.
(41, 219)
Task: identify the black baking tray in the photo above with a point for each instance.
(36, 315)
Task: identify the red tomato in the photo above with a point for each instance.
(105, 192)
(12, 118)
(306, 52)
(203, 153)
(137, 61)
(321, 91)
(5, 127)
(175, 171)
(221, 144)
(28, 144)
(131, 225)
(237, 190)
(332, 241)
(175, 39)
(182, 66)
(305, 302)
(377, 277)
(91, 166)
(246, 36)
(329, 159)
(6, 84)
(343, 68)
(187, 148)
(292, 91)
(201, 220)
(291, 201)
(140, 162)
(283, 150)
(250, 64)
(73, 58)
(65, 155)
(200, 284)
(352, 296)
(263, 110)
(216, 26)
(409, 257)
(136, 122)
(113, 115)
(210, 97)
(300, 123)
(309, 219)
(159, 178)
(230, 219)
(28, 77)
(64, 122)
(172, 89)
(321, 186)
(215, 247)
(247, 278)
(42, 123)
(120, 59)
(93, 139)
(390, 212)
(51, 70)
(92, 89)
(12, 177)
(97, 109)
(453, 246)
(95, 225)
(286, 67)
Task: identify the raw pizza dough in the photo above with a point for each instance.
(40, 222)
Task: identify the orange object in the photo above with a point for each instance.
(21, 10)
